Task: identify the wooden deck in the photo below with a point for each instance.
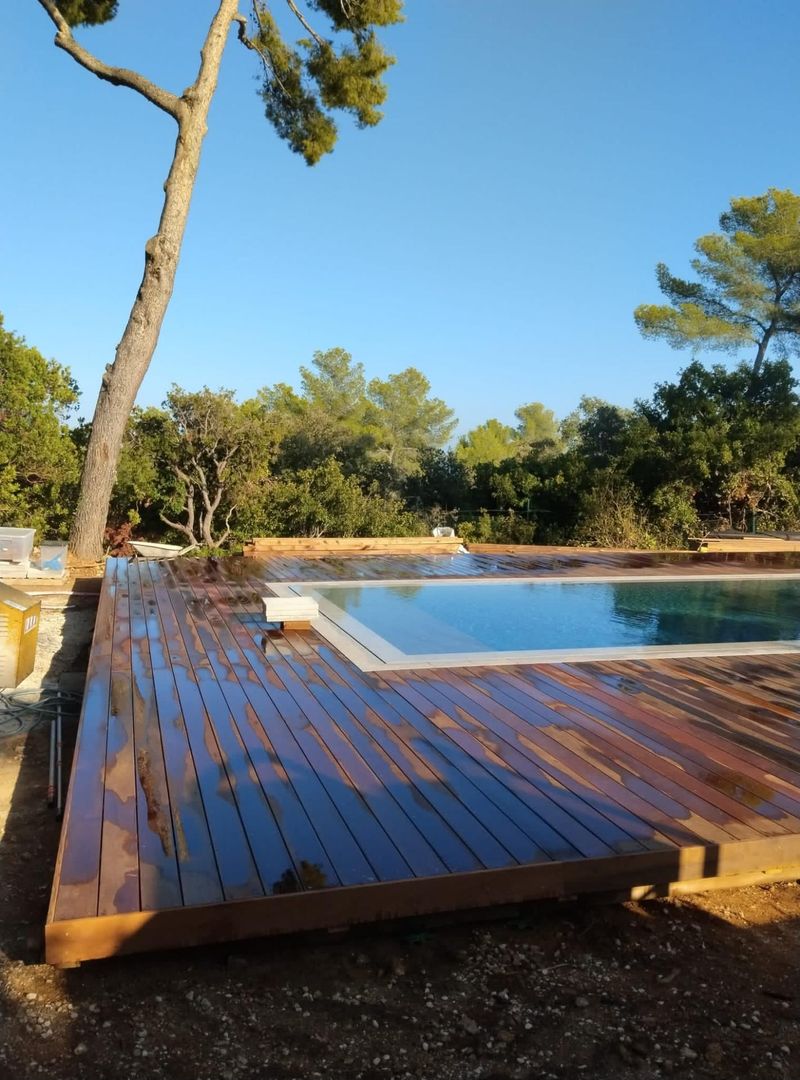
(230, 781)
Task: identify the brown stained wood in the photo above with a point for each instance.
(199, 876)
(699, 722)
(744, 543)
(119, 849)
(674, 775)
(529, 797)
(282, 719)
(351, 785)
(760, 721)
(159, 881)
(82, 939)
(779, 681)
(77, 875)
(722, 678)
(234, 858)
(650, 815)
(384, 800)
(425, 790)
(309, 864)
(713, 705)
(232, 780)
(263, 838)
(612, 822)
(722, 758)
(261, 788)
(435, 845)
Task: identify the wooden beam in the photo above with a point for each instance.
(747, 544)
(76, 940)
(346, 545)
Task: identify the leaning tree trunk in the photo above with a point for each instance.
(761, 354)
(123, 378)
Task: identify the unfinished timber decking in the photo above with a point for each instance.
(232, 781)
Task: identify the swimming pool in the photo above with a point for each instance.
(445, 622)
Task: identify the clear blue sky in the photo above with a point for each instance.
(538, 157)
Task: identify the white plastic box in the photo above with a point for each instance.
(16, 544)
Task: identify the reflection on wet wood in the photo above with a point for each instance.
(221, 765)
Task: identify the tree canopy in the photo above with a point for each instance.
(748, 292)
(39, 462)
(715, 447)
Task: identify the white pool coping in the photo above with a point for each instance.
(371, 652)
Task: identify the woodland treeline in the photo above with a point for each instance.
(342, 454)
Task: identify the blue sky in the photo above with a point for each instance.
(538, 157)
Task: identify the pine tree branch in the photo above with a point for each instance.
(241, 30)
(156, 95)
(306, 24)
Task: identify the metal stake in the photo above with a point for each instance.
(59, 792)
(51, 779)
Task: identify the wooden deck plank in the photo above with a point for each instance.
(376, 823)
(262, 731)
(557, 844)
(674, 728)
(197, 864)
(682, 779)
(159, 878)
(645, 808)
(758, 724)
(616, 825)
(77, 876)
(408, 819)
(496, 825)
(215, 775)
(698, 717)
(271, 700)
(119, 849)
(264, 839)
(650, 873)
(411, 782)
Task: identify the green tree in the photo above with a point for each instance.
(405, 419)
(324, 501)
(728, 434)
(487, 444)
(197, 461)
(336, 387)
(303, 84)
(537, 425)
(39, 461)
(748, 292)
(442, 483)
(327, 419)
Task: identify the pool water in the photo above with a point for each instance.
(464, 617)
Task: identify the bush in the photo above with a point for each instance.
(322, 501)
(611, 517)
(508, 528)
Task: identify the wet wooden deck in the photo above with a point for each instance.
(231, 782)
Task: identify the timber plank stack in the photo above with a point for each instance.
(313, 546)
(745, 543)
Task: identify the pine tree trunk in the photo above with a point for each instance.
(123, 378)
(758, 363)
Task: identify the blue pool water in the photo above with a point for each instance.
(463, 617)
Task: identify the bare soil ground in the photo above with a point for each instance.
(700, 987)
